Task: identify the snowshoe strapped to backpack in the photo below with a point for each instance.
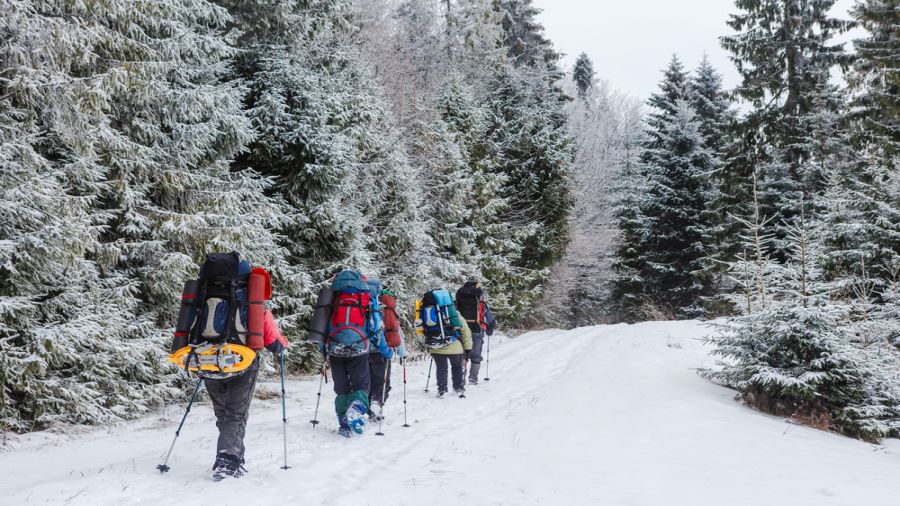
(349, 329)
(435, 318)
(211, 335)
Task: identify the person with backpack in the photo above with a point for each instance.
(447, 338)
(217, 312)
(380, 363)
(353, 329)
(471, 301)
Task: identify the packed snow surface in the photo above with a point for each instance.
(611, 415)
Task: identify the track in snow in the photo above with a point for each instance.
(605, 415)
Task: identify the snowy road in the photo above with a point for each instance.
(611, 415)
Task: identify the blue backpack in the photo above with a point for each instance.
(350, 328)
(436, 318)
(376, 337)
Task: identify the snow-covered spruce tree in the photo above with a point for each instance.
(793, 360)
(669, 267)
(323, 131)
(527, 137)
(783, 51)
(67, 332)
(752, 270)
(392, 202)
(713, 108)
(442, 150)
(874, 77)
(523, 35)
(134, 122)
(583, 75)
(802, 355)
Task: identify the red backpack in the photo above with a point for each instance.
(391, 320)
(349, 315)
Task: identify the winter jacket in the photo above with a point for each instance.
(457, 346)
(272, 338)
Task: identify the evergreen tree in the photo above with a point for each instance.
(443, 152)
(583, 74)
(323, 132)
(124, 114)
(666, 267)
(783, 52)
(875, 78)
(812, 352)
(523, 35)
(713, 109)
(533, 150)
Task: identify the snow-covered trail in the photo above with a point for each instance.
(612, 415)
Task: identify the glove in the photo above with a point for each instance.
(277, 347)
(387, 353)
(467, 353)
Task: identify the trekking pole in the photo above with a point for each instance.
(429, 372)
(403, 363)
(163, 468)
(283, 410)
(487, 368)
(387, 369)
(315, 420)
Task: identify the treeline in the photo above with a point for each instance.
(786, 213)
(420, 141)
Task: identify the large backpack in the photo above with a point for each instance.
(471, 301)
(436, 319)
(348, 333)
(391, 319)
(222, 309)
(376, 335)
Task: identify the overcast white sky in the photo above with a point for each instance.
(631, 41)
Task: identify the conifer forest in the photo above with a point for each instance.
(428, 142)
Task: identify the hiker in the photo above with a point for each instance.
(447, 338)
(227, 280)
(380, 363)
(471, 301)
(355, 327)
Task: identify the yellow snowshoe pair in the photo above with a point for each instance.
(214, 361)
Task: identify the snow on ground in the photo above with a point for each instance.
(612, 415)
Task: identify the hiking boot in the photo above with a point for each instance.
(356, 417)
(440, 394)
(461, 392)
(343, 426)
(473, 381)
(373, 416)
(227, 466)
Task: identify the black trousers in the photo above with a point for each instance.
(350, 374)
(378, 366)
(231, 403)
(455, 363)
(351, 381)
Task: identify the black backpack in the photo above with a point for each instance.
(222, 309)
(469, 303)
